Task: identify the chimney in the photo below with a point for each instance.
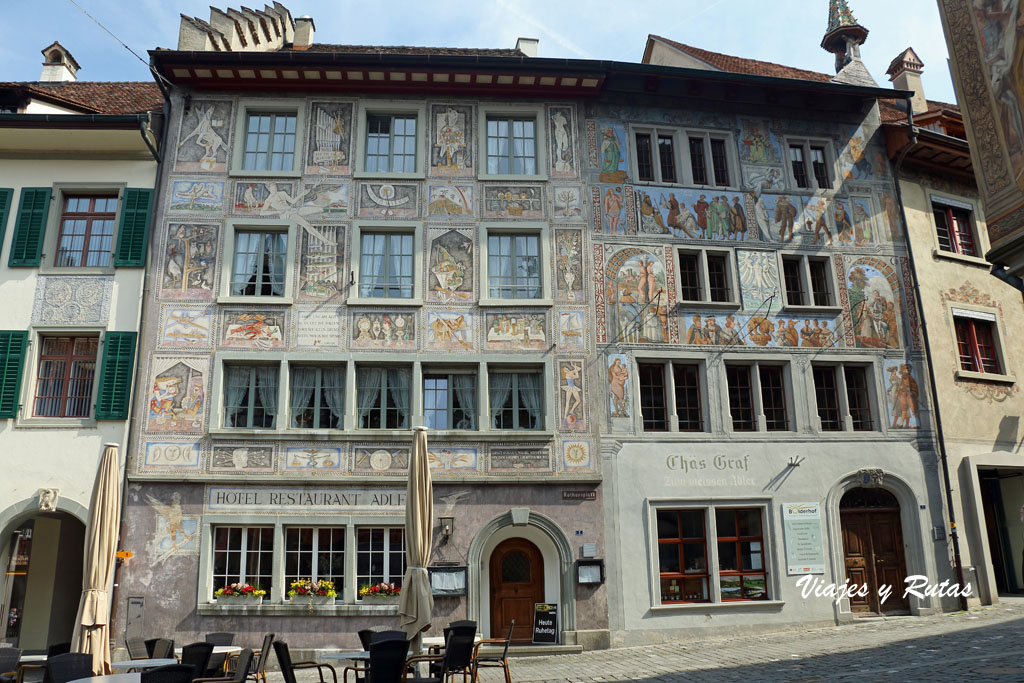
(905, 74)
(528, 46)
(60, 66)
(304, 28)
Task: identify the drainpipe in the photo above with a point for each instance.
(957, 564)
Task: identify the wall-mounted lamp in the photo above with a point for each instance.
(447, 527)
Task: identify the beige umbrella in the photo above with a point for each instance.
(92, 636)
(417, 602)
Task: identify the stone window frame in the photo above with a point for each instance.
(60, 193)
(878, 415)
(980, 233)
(543, 231)
(450, 369)
(235, 225)
(712, 421)
(365, 108)
(535, 111)
(732, 271)
(413, 227)
(834, 308)
(681, 149)
(831, 164)
(992, 315)
(30, 376)
(296, 106)
(789, 385)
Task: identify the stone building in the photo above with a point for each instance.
(77, 176)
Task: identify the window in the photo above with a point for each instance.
(516, 399)
(808, 281)
(314, 553)
(706, 275)
(259, 263)
(318, 397)
(382, 396)
(67, 367)
(86, 231)
(269, 141)
(758, 392)
(681, 157)
(681, 396)
(816, 177)
(819, 168)
(511, 145)
(380, 555)
(954, 229)
(390, 143)
(976, 344)
(386, 265)
(514, 265)
(449, 400)
(250, 396)
(243, 555)
(841, 392)
(742, 574)
(682, 556)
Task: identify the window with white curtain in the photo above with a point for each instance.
(511, 145)
(386, 265)
(516, 399)
(250, 396)
(382, 397)
(514, 265)
(259, 264)
(449, 400)
(317, 397)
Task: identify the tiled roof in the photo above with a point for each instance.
(97, 97)
(742, 65)
(413, 50)
(896, 112)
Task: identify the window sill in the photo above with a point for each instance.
(79, 270)
(708, 189)
(377, 175)
(512, 177)
(258, 173)
(229, 433)
(384, 301)
(57, 423)
(969, 260)
(285, 609)
(261, 300)
(813, 310)
(516, 302)
(725, 305)
(986, 377)
(773, 605)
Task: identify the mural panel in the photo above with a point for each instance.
(318, 328)
(451, 331)
(619, 394)
(637, 298)
(875, 306)
(312, 458)
(174, 531)
(513, 201)
(160, 455)
(610, 214)
(445, 457)
(516, 331)
(322, 264)
(571, 332)
(450, 267)
(575, 455)
(203, 138)
(450, 200)
(382, 331)
(330, 129)
(567, 202)
(189, 261)
(323, 201)
(388, 200)
(197, 197)
(760, 286)
(761, 179)
(692, 213)
(242, 458)
(571, 414)
(613, 153)
(562, 139)
(451, 147)
(382, 458)
(186, 327)
(902, 397)
(569, 266)
(249, 329)
(759, 330)
(758, 144)
(177, 397)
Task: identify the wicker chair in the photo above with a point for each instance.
(456, 658)
(493, 660)
(136, 648)
(58, 649)
(67, 667)
(387, 663)
(288, 667)
(163, 648)
(241, 670)
(198, 656)
(172, 673)
(218, 665)
(258, 668)
(9, 660)
(461, 628)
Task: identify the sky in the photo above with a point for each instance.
(783, 31)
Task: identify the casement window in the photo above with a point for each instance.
(315, 553)
(686, 157)
(65, 376)
(86, 231)
(669, 388)
(692, 570)
(386, 264)
(976, 342)
(259, 263)
(707, 275)
(514, 265)
(270, 141)
(512, 145)
(382, 397)
(317, 397)
(843, 395)
(516, 399)
(243, 555)
(449, 400)
(390, 143)
(808, 281)
(954, 228)
(810, 164)
(250, 396)
(758, 397)
(380, 555)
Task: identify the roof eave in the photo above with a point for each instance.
(74, 121)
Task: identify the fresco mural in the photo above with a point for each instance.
(763, 179)
(513, 201)
(174, 531)
(330, 128)
(875, 307)
(321, 264)
(571, 332)
(450, 267)
(637, 298)
(450, 200)
(196, 197)
(612, 155)
(253, 329)
(855, 160)
(610, 214)
(203, 138)
(759, 330)
(902, 395)
(451, 331)
(443, 457)
(760, 287)
(567, 203)
(451, 148)
(324, 201)
(186, 327)
(387, 200)
(569, 265)
(575, 455)
(692, 213)
(562, 141)
(177, 397)
(250, 197)
(758, 144)
(381, 458)
(318, 327)
(515, 331)
(312, 458)
(1000, 23)
(572, 415)
(619, 398)
(383, 330)
(169, 454)
(242, 458)
(189, 261)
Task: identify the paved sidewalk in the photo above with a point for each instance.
(982, 645)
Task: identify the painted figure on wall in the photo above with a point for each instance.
(785, 214)
(874, 304)
(451, 267)
(636, 288)
(450, 200)
(762, 179)
(516, 332)
(321, 264)
(450, 331)
(611, 202)
(612, 157)
(903, 394)
(863, 232)
(189, 261)
(176, 399)
(757, 145)
(816, 220)
(568, 261)
(203, 145)
(690, 213)
(1000, 22)
(196, 197)
(618, 386)
(450, 149)
(572, 416)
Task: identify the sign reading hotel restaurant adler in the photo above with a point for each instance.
(277, 499)
(545, 623)
(801, 527)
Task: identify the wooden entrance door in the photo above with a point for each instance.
(873, 548)
(517, 582)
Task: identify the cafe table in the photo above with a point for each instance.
(32, 659)
(141, 664)
(217, 650)
(112, 678)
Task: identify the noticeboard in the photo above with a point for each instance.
(545, 623)
(801, 528)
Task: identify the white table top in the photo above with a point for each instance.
(217, 650)
(358, 656)
(112, 678)
(32, 659)
(141, 664)
(438, 641)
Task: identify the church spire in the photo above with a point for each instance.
(844, 35)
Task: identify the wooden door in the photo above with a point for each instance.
(873, 546)
(517, 582)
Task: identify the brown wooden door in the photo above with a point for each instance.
(873, 546)
(517, 582)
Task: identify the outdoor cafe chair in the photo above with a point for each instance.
(462, 628)
(493, 660)
(171, 673)
(387, 663)
(58, 649)
(241, 670)
(288, 667)
(67, 667)
(258, 669)
(163, 648)
(9, 659)
(136, 648)
(457, 658)
(198, 655)
(218, 665)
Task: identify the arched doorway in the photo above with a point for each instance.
(873, 549)
(517, 582)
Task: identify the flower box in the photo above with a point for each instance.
(311, 599)
(379, 599)
(239, 600)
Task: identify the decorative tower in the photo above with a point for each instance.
(844, 35)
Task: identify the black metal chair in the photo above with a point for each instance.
(387, 635)
(258, 669)
(288, 667)
(493, 660)
(218, 665)
(456, 658)
(387, 663)
(462, 628)
(58, 649)
(241, 670)
(10, 657)
(198, 656)
(150, 644)
(163, 648)
(137, 648)
(365, 637)
(67, 667)
(172, 673)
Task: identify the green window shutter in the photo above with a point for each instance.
(6, 195)
(116, 375)
(134, 227)
(29, 229)
(13, 346)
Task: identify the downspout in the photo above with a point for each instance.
(939, 432)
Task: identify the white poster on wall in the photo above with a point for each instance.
(801, 528)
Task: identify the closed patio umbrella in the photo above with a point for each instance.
(417, 602)
(92, 631)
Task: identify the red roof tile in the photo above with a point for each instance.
(412, 50)
(742, 65)
(97, 97)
